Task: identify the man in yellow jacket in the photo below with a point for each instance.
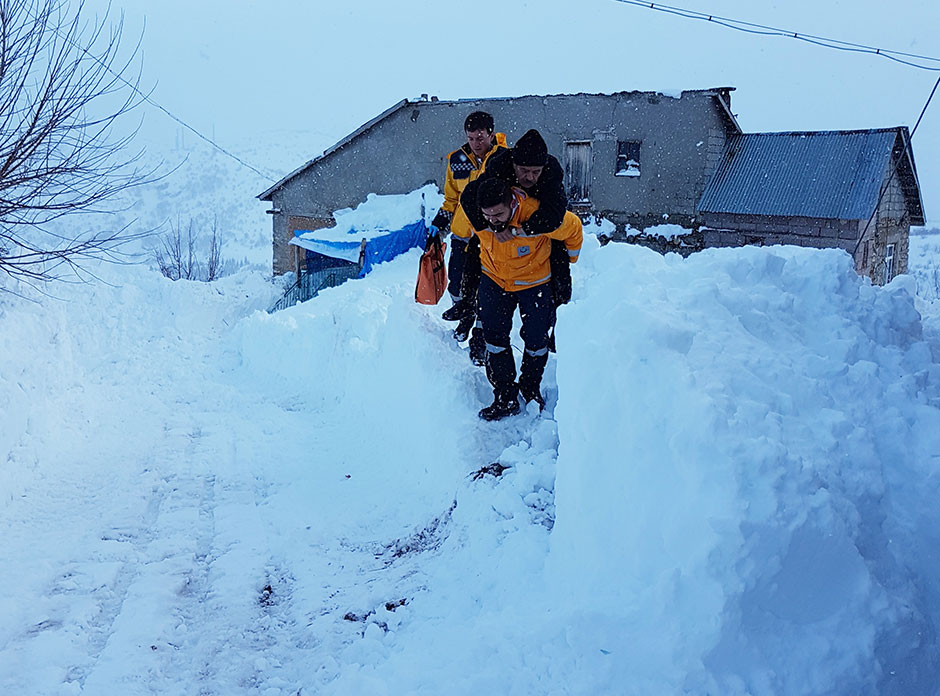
(527, 166)
(516, 273)
(463, 166)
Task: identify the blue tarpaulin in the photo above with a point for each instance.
(388, 246)
(381, 245)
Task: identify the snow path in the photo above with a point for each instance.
(201, 498)
(190, 526)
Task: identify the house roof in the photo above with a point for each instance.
(266, 196)
(720, 93)
(820, 174)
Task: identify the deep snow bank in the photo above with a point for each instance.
(747, 460)
(743, 500)
(371, 372)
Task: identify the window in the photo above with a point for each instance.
(889, 263)
(628, 158)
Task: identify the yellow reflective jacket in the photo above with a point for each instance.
(462, 168)
(523, 262)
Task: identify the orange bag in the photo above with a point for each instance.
(432, 273)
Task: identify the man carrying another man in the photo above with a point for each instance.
(516, 271)
(529, 167)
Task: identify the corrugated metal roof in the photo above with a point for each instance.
(822, 174)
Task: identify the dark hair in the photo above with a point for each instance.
(478, 120)
(493, 192)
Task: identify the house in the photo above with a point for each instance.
(853, 190)
(632, 157)
(640, 159)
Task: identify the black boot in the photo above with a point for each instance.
(459, 311)
(463, 328)
(505, 404)
(477, 347)
(530, 378)
(501, 371)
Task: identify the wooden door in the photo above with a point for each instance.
(578, 171)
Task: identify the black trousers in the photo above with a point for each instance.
(497, 306)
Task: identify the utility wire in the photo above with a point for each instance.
(189, 127)
(763, 30)
(147, 98)
(924, 110)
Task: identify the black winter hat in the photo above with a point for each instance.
(530, 150)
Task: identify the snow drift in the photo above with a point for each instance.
(732, 490)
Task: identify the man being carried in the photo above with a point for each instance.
(527, 166)
(516, 272)
(463, 166)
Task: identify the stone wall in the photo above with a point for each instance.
(890, 225)
(724, 230)
(287, 257)
(682, 139)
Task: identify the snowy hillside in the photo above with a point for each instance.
(733, 490)
(196, 184)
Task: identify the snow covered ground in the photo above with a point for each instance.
(733, 490)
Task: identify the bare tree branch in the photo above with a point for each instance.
(214, 262)
(63, 90)
(177, 258)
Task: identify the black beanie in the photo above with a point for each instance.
(530, 150)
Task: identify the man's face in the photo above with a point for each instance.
(481, 141)
(527, 176)
(498, 216)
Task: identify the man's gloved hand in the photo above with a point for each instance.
(442, 220)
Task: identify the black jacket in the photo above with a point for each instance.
(549, 191)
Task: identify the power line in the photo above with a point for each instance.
(189, 127)
(924, 110)
(764, 30)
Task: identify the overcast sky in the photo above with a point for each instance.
(316, 70)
